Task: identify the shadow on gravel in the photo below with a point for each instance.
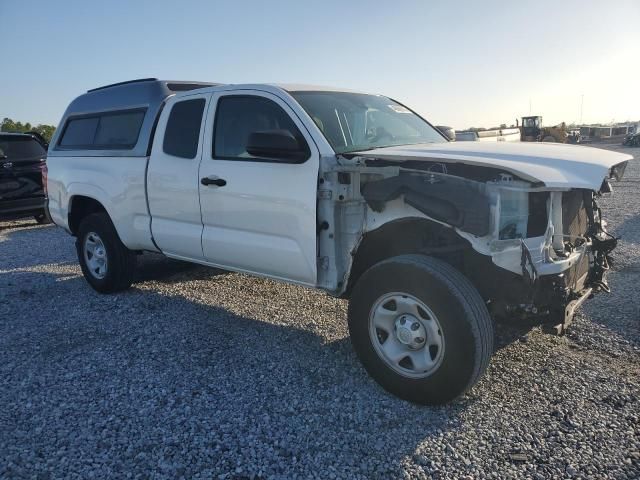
(24, 224)
(33, 245)
(159, 268)
(618, 312)
(140, 381)
(629, 231)
(510, 331)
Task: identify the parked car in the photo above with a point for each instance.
(22, 170)
(632, 140)
(467, 136)
(349, 193)
(493, 135)
(573, 136)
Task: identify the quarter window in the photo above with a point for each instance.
(237, 117)
(183, 128)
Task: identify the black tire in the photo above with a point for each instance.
(120, 261)
(42, 219)
(466, 326)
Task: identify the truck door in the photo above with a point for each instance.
(172, 177)
(258, 208)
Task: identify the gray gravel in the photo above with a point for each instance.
(197, 373)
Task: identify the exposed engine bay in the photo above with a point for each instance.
(529, 249)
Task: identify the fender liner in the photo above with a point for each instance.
(455, 201)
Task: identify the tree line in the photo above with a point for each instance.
(9, 125)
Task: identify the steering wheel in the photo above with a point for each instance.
(381, 133)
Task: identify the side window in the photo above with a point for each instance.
(244, 119)
(79, 132)
(103, 131)
(183, 128)
(119, 129)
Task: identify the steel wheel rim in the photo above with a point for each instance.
(406, 335)
(95, 255)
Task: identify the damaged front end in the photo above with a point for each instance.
(532, 251)
(558, 266)
(563, 268)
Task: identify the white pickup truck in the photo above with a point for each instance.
(351, 193)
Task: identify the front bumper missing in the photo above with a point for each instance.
(568, 313)
(559, 296)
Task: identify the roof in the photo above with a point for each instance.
(141, 92)
(149, 94)
(146, 93)
(30, 134)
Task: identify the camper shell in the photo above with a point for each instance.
(144, 97)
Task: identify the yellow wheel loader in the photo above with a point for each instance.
(533, 131)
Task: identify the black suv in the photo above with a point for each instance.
(22, 176)
(632, 139)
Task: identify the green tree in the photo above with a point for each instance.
(45, 130)
(9, 125)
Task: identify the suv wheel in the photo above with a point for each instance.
(42, 219)
(420, 328)
(106, 263)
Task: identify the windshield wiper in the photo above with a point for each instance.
(384, 146)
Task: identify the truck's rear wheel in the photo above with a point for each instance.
(420, 328)
(549, 139)
(106, 263)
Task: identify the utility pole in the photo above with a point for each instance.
(529, 106)
(581, 105)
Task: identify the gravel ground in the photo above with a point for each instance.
(197, 373)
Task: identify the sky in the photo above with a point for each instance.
(462, 64)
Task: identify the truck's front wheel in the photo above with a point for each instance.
(420, 328)
(106, 263)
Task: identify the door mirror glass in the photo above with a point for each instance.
(275, 144)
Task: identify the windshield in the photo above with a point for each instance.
(531, 122)
(18, 147)
(356, 121)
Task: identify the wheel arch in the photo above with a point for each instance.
(80, 206)
(412, 235)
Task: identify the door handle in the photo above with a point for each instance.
(218, 182)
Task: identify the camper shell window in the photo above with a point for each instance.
(103, 131)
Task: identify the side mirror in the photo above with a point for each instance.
(277, 144)
(448, 132)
